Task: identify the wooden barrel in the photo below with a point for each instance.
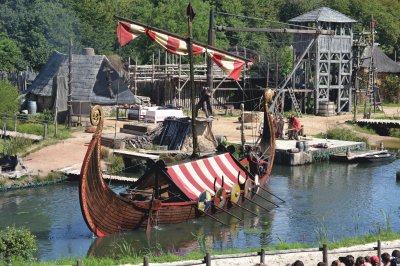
(32, 107)
(326, 109)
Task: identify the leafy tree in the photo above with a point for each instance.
(9, 103)
(391, 89)
(10, 54)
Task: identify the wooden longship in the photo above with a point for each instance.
(172, 194)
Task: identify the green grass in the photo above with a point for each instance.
(391, 104)
(14, 146)
(171, 257)
(342, 134)
(364, 129)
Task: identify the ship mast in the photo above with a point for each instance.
(190, 14)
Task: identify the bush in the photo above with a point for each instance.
(344, 134)
(116, 164)
(391, 89)
(17, 242)
(15, 146)
(9, 103)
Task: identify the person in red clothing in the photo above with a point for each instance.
(294, 127)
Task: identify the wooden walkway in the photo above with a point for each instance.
(137, 155)
(379, 122)
(360, 154)
(14, 134)
(75, 172)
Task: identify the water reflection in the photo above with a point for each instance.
(322, 200)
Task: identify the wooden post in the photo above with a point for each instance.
(78, 263)
(378, 248)
(211, 39)
(262, 256)
(15, 123)
(146, 261)
(242, 137)
(69, 96)
(56, 123)
(195, 153)
(207, 259)
(45, 130)
(325, 254)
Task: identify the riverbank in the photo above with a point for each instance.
(310, 257)
(279, 255)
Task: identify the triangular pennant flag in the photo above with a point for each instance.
(230, 66)
(127, 32)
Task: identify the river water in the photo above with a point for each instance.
(323, 201)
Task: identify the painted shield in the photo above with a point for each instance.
(204, 202)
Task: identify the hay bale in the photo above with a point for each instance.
(252, 117)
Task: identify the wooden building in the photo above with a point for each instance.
(94, 80)
(327, 67)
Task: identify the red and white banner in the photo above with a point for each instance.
(172, 44)
(127, 32)
(197, 176)
(230, 65)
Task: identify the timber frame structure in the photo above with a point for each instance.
(331, 71)
(322, 69)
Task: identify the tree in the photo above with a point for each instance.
(390, 89)
(10, 55)
(9, 103)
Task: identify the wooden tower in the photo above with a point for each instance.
(330, 58)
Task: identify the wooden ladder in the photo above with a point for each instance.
(294, 101)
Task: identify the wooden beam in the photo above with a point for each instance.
(301, 31)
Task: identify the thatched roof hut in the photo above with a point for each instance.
(94, 81)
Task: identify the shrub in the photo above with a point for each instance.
(391, 89)
(15, 146)
(17, 242)
(116, 164)
(9, 103)
(344, 134)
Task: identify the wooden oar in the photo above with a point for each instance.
(148, 227)
(273, 203)
(235, 195)
(204, 203)
(240, 206)
(252, 201)
(219, 202)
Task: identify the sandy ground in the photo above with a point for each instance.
(313, 125)
(67, 153)
(308, 258)
(71, 152)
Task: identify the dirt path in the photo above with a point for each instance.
(66, 153)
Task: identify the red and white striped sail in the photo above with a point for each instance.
(127, 32)
(197, 176)
(172, 44)
(230, 65)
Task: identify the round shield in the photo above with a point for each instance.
(96, 114)
(249, 189)
(220, 198)
(204, 201)
(235, 193)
